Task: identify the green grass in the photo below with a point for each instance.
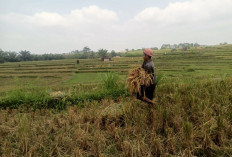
(85, 78)
(32, 95)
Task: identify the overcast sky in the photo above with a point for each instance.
(60, 26)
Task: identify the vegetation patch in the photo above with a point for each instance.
(190, 119)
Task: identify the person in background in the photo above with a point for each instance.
(149, 67)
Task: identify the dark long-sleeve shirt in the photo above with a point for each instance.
(150, 68)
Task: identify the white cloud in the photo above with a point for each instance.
(187, 12)
(46, 19)
(55, 32)
(86, 15)
(190, 21)
(93, 14)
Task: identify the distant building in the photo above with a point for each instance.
(106, 58)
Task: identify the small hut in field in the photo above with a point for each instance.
(106, 58)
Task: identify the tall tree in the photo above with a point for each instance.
(86, 49)
(113, 53)
(2, 60)
(102, 52)
(12, 56)
(25, 55)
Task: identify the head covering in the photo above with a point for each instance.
(148, 52)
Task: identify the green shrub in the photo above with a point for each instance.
(110, 80)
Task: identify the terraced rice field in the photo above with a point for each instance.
(210, 62)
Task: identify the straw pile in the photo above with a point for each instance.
(136, 78)
(112, 110)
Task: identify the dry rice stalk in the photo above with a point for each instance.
(136, 78)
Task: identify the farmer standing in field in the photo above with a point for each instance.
(149, 67)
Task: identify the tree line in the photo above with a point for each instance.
(9, 56)
(180, 45)
(85, 53)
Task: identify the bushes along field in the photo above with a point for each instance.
(35, 97)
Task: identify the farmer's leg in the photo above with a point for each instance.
(150, 91)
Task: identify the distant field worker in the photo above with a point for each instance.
(149, 67)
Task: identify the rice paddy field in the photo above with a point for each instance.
(61, 108)
(207, 62)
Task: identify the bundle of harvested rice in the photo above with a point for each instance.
(136, 78)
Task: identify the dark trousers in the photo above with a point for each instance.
(149, 92)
